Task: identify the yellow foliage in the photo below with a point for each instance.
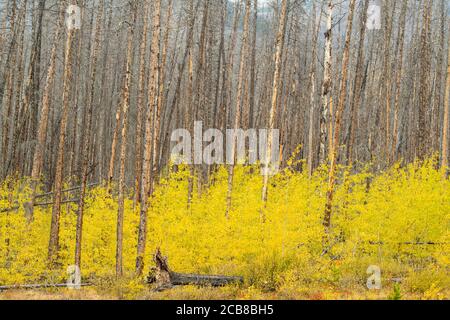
(377, 220)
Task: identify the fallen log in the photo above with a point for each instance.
(180, 279)
(164, 278)
(27, 205)
(48, 194)
(40, 286)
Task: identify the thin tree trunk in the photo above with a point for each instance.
(312, 87)
(53, 246)
(253, 66)
(275, 93)
(147, 165)
(326, 86)
(237, 119)
(87, 141)
(445, 134)
(123, 146)
(398, 80)
(355, 103)
(337, 126)
(102, 97)
(140, 102)
(424, 91)
(161, 95)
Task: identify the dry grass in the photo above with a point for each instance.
(204, 293)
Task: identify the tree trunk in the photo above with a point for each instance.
(398, 80)
(147, 164)
(87, 141)
(164, 278)
(237, 119)
(355, 103)
(140, 102)
(337, 126)
(53, 246)
(123, 146)
(445, 134)
(423, 150)
(275, 93)
(312, 87)
(326, 86)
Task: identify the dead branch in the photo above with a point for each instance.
(27, 205)
(40, 286)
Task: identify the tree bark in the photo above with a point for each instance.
(53, 246)
(275, 96)
(238, 112)
(147, 164)
(326, 86)
(445, 134)
(123, 146)
(337, 126)
(87, 141)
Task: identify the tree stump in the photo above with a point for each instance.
(164, 278)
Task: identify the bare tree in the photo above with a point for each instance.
(326, 85)
(445, 135)
(147, 164)
(337, 126)
(238, 112)
(123, 146)
(87, 143)
(53, 246)
(275, 92)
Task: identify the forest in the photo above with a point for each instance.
(346, 103)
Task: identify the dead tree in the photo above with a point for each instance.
(140, 105)
(275, 95)
(357, 88)
(87, 136)
(38, 158)
(339, 113)
(53, 246)
(312, 88)
(164, 278)
(445, 134)
(326, 85)
(147, 164)
(423, 147)
(238, 112)
(123, 146)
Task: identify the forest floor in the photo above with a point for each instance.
(227, 293)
